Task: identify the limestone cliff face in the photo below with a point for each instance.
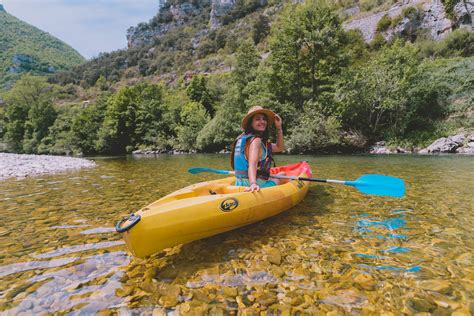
(175, 15)
(431, 16)
(170, 17)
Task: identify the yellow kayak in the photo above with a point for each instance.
(208, 208)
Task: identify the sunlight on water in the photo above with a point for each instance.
(339, 250)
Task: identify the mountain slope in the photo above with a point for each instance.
(24, 48)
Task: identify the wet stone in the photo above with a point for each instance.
(168, 301)
(419, 305)
(230, 291)
(365, 282)
(277, 271)
(440, 286)
(273, 255)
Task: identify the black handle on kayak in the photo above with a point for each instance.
(133, 218)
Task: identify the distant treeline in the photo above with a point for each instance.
(333, 91)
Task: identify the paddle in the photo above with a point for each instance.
(376, 184)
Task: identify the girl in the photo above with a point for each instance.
(252, 151)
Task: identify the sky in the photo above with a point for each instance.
(89, 26)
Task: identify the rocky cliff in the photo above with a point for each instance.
(430, 15)
(175, 15)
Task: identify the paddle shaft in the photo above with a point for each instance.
(277, 176)
(377, 184)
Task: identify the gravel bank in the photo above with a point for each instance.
(21, 166)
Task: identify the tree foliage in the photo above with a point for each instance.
(132, 115)
(306, 49)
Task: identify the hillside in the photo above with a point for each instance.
(191, 72)
(24, 48)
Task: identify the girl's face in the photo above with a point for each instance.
(259, 122)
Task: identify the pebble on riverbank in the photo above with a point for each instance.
(22, 166)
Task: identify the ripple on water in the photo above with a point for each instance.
(388, 231)
(98, 230)
(78, 248)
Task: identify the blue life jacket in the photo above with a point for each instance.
(241, 164)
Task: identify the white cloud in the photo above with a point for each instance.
(89, 26)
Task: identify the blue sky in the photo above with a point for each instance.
(89, 26)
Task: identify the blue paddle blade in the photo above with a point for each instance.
(379, 184)
(199, 170)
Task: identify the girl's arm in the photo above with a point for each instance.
(254, 157)
(279, 146)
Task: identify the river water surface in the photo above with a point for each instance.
(338, 251)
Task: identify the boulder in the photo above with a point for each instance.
(459, 138)
(468, 149)
(379, 148)
(449, 144)
(443, 145)
(401, 150)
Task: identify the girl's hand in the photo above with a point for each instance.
(278, 121)
(253, 187)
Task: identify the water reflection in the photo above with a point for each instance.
(389, 230)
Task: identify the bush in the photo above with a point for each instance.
(449, 7)
(459, 43)
(408, 11)
(315, 132)
(384, 23)
(378, 41)
(396, 20)
(367, 5)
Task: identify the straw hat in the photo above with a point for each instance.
(257, 110)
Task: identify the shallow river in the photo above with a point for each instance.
(338, 251)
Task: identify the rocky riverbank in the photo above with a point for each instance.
(462, 143)
(22, 166)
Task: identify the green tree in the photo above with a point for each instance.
(245, 70)
(193, 118)
(261, 28)
(306, 44)
(60, 139)
(86, 125)
(41, 116)
(198, 92)
(133, 115)
(221, 131)
(388, 94)
(29, 112)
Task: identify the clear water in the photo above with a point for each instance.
(337, 251)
